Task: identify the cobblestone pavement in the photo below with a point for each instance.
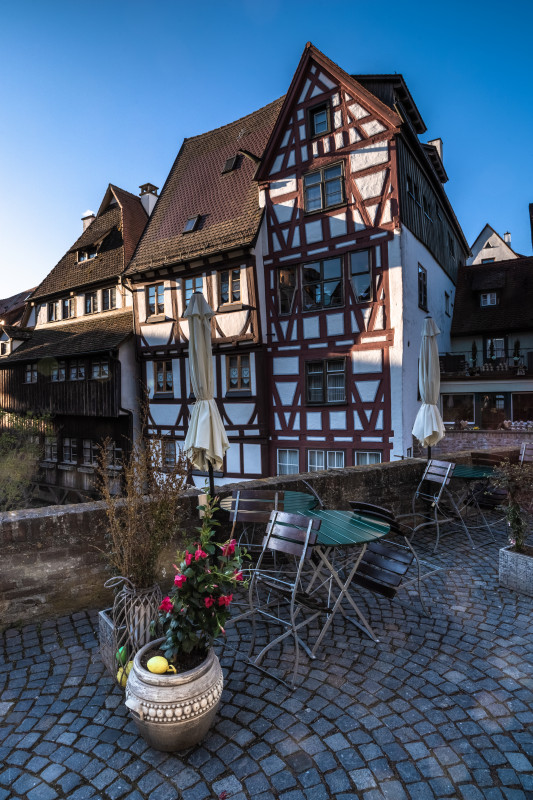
(441, 707)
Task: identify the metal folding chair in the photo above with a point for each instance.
(282, 598)
(434, 505)
(385, 564)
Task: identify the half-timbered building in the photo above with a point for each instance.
(319, 230)
(73, 357)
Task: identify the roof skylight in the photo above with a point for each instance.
(191, 224)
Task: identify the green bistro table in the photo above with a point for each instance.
(472, 472)
(342, 530)
(467, 498)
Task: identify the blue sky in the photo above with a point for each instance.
(99, 92)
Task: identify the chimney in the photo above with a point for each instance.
(507, 238)
(87, 218)
(437, 143)
(148, 196)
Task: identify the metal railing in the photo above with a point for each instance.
(466, 365)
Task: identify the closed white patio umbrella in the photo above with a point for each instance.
(206, 441)
(428, 427)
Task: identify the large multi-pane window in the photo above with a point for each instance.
(68, 307)
(164, 383)
(100, 368)
(109, 298)
(322, 284)
(326, 381)
(238, 373)
(288, 462)
(58, 372)
(323, 188)
(286, 288)
(70, 450)
(155, 299)
(230, 286)
(361, 274)
(324, 459)
(495, 349)
(365, 457)
(458, 408)
(422, 288)
(91, 302)
(488, 299)
(30, 373)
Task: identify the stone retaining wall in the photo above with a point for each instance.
(51, 559)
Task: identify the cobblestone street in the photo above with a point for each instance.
(440, 707)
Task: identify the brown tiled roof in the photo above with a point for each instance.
(99, 334)
(512, 280)
(117, 229)
(11, 308)
(228, 204)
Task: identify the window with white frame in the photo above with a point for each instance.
(365, 457)
(288, 462)
(100, 368)
(324, 459)
(77, 370)
(90, 452)
(58, 372)
(53, 311)
(319, 120)
(50, 448)
(30, 373)
(488, 299)
(70, 450)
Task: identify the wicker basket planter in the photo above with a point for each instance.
(174, 712)
(516, 571)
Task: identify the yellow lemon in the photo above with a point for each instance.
(129, 667)
(122, 677)
(157, 664)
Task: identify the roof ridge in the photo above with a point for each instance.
(235, 121)
(125, 191)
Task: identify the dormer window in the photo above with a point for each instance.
(192, 224)
(489, 299)
(87, 254)
(53, 311)
(230, 164)
(319, 120)
(3, 348)
(487, 260)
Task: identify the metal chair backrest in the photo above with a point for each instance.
(373, 512)
(292, 534)
(436, 472)
(254, 505)
(526, 452)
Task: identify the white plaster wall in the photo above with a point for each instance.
(405, 253)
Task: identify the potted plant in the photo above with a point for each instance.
(516, 560)
(142, 519)
(174, 710)
(516, 352)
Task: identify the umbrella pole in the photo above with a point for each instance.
(429, 452)
(211, 480)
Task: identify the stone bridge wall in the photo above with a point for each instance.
(51, 559)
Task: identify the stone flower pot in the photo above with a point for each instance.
(516, 570)
(174, 712)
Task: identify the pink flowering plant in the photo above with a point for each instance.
(207, 574)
